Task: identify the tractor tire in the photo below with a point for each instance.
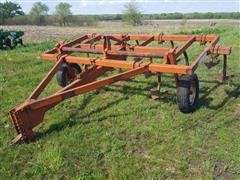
(188, 93)
(63, 77)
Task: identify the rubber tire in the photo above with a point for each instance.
(61, 74)
(184, 91)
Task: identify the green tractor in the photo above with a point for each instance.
(10, 39)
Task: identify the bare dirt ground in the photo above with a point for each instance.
(43, 33)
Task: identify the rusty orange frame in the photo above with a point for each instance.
(114, 51)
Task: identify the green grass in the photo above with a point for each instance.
(118, 132)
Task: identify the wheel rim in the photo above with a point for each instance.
(193, 92)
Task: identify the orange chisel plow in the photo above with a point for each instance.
(110, 52)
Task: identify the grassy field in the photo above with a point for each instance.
(118, 132)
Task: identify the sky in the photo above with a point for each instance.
(146, 6)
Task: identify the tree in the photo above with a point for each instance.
(63, 13)
(9, 10)
(38, 13)
(132, 15)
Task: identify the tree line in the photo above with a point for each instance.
(12, 14)
(195, 15)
